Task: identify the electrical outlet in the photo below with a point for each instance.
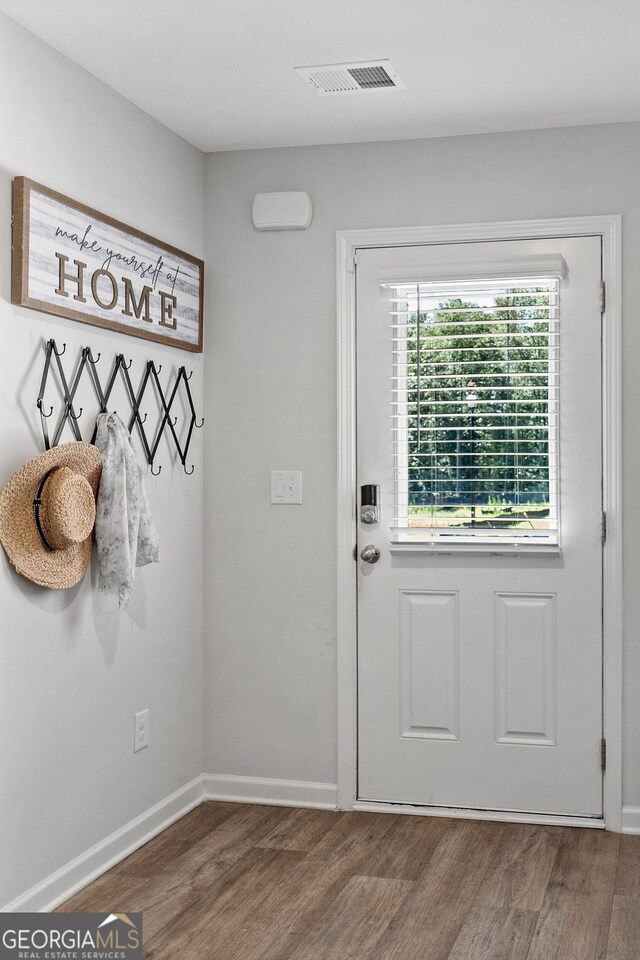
(141, 727)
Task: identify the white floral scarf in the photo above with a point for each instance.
(126, 537)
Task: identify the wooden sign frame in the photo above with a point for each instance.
(73, 261)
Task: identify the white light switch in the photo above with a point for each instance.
(286, 486)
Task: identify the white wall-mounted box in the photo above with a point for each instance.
(282, 211)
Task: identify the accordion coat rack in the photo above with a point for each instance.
(149, 382)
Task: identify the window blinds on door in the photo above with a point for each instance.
(474, 406)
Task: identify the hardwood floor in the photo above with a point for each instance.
(241, 882)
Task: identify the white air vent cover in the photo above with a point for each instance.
(336, 79)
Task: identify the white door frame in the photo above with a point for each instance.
(348, 243)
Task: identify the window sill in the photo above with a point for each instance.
(510, 548)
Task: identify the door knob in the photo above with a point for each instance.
(370, 553)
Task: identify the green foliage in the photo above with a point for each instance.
(478, 424)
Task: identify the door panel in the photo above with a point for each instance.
(429, 665)
(525, 659)
(480, 672)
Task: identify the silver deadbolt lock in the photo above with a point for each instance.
(369, 503)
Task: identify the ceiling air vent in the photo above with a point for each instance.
(336, 79)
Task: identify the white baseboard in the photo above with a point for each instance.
(281, 793)
(66, 881)
(73, 876)
(631, 819)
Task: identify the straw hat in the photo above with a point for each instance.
(47, 513)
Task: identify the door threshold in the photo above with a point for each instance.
(464, 813)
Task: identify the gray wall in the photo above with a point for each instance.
(73, 670)
(270, 571)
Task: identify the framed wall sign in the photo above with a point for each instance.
(72, 261)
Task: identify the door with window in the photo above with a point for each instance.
(480, 559)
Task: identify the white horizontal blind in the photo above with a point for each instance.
(474, 408)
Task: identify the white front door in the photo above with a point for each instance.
(480, 625)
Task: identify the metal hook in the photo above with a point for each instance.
(175, 420)
(185, 374)
(188, 472)
(144, 419)
(42, 413)
(159, 368)
(198, 425)
(120, 362)
(155, 472)
(90, 358)
(57, 352)
(72, 415)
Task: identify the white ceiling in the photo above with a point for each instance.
(220, 72)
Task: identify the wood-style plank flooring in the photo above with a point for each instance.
(242, 882)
